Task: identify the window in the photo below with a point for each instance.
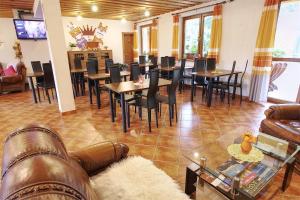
(196, 35)
(145, 39)
(287, 39)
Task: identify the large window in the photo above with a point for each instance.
(284, 79)
(196, 35)
(287, 39)
(145, 39)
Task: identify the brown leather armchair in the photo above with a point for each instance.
(16, 82)
(37, 166)
(283, 121)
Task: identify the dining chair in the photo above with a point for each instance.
(171, 61)
(92, 66)
(164, 61)
(149, 101)
(108, 63)
(48, 81)
(142, 59)
(134, 71)
(200, 65)
(210, 64)
(182, 77)
(225, 86)
(36, 68)
(77, 63)
(170, 100)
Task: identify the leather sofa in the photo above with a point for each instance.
(36, 165)
(16, 82)
(283, 121)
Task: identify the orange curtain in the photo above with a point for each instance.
(135, 44)
(216, 34)
(175, 49)
(153, 41)
(262, 61)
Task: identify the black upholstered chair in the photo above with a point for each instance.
(48, 83)
(211, 64)
(200, 65)
(108, 63)
(134, 71)
(182, 77)
(170, 100)
(149, 101)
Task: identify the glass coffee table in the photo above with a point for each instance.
(236, 179)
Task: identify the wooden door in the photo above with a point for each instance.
(128, 48)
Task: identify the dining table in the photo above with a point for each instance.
(30, 77)
(212, 75)
(95, 78)
(126, 87)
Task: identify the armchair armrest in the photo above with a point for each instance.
(11, 79)
(283, 112)
(97, 157)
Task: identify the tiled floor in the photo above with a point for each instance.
(197, 126)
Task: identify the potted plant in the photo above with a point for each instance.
(72, 45)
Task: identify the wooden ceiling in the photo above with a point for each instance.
(107, 9)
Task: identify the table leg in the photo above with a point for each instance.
(111, 103)
(192, 89)
(123, 112)
(210, 91)
(288, 174)
(234, 85)
(90, 91)
(96, 85)
(33, 89)
(190, 180)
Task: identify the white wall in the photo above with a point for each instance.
(112, 38)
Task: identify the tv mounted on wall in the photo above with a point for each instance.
(30, 29)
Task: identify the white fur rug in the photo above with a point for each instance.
(136, 178)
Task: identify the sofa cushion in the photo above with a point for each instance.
(10, 71)
(136, 178)
(11, 79)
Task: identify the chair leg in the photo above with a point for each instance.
(52, 93)
(156, 116)
(47, 93)
(128, 115)
(228, 90)
(176, 112)
(38, 92)
(160, 109)
(149, 119)
(170, 114)
(115, 107)
(140, 112)
(241, 93)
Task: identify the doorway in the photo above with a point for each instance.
(127, 48)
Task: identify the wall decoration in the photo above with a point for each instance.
(88, 37)
(18, 51)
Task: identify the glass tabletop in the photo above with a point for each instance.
(222, 164)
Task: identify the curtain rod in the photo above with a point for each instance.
(223, 2)
(146, 20)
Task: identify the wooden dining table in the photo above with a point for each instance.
(95, 78)
(126, 87)
(30, 77)
(212, 75)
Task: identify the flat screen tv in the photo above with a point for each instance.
(30, 29)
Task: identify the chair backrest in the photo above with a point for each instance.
(164, 61)
(134, 71)
(172, 61)
(92, 66)
(182, 67)
(48, 75)
(153, 60)
(115, 74)
(242, 77)
(173, 86)
(199, 64)
(77, 63)
(211, 64)
(108, 63)
(232, 71)
(36, 66)
(153, 87)
(142, 59)
(150, 57)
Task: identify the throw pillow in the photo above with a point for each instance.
(10, 71)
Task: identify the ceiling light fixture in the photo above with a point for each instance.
(147, 13)
(78, 18)
(94, 8)
(123, 20)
